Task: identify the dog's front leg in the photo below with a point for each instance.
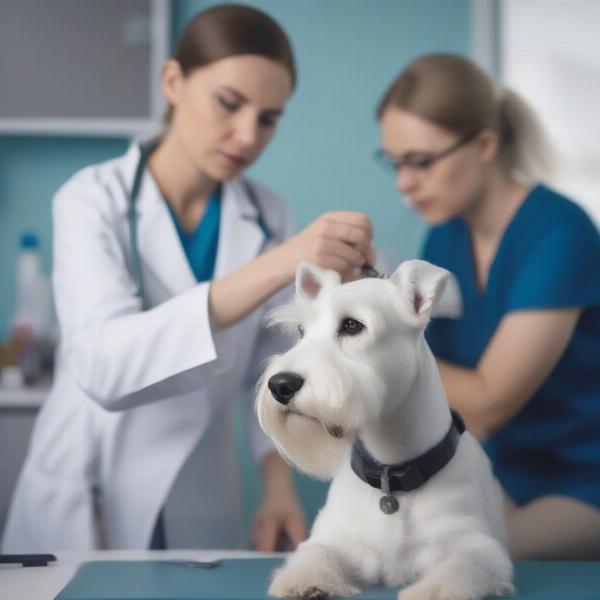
(473, 571)
(313, 571)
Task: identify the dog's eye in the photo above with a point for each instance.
(300, 331)
(350, 327)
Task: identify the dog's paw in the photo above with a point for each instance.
(311, 584)
(432, 591)
(315, 593)
(503, 589)
(443, 591)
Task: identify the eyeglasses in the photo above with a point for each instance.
(419, 161)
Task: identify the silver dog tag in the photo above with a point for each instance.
(388, 504)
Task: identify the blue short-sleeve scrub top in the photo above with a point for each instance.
(548, 258)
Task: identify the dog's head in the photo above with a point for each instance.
(356, 356)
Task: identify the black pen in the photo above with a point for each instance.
(27, 560)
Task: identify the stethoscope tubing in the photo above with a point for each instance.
(136, 270)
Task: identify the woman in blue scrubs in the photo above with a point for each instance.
(521, 362)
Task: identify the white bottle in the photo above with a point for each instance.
(32, 320)
(30, 287)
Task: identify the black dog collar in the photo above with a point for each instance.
(409, 475)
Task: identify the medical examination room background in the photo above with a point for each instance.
(321, 158)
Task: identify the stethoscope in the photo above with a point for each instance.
(132, 198)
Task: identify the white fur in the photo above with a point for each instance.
(446, 541)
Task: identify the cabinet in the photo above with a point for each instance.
(82, 67)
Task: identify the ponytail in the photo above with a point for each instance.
(525, 151)
(454, 93)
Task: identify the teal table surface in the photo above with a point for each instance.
(243, 579)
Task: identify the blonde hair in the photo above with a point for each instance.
(456, 94)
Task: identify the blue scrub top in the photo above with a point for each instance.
(200, 246)
(548, 258)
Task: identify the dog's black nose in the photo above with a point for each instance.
(284, 386)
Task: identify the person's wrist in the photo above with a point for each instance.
(281, 266)
(278, 477)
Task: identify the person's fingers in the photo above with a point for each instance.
(372, 256)
(352, 275)
(334, 263)
(266, 530)
(358, 219)
(354, 220)
(350, 234)
(341, 241)
(346, 252)
(295, 529)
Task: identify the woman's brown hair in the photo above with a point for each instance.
(456, 94)
(229, 30)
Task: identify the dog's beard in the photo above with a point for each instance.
(336, 431)
(302, 439)
(316, 430)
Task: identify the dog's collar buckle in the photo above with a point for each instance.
(388, 504)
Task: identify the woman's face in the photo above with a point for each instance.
(447, 187)
(225, 113)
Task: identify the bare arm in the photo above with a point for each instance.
(520, 356)
(336, 240)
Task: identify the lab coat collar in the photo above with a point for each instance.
(240, 237)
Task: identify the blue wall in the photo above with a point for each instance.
(321, 158)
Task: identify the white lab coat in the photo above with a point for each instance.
(136, 391)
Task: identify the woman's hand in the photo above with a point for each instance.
(336, 240)
(341, 241)
(279, 516)
(279, 522)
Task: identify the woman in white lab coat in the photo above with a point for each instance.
(134, 446)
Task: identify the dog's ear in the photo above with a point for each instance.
(310, 280)
(421, 284)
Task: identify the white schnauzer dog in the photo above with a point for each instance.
(359, 399)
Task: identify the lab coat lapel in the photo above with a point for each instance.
(241, 237)
(163, 258)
